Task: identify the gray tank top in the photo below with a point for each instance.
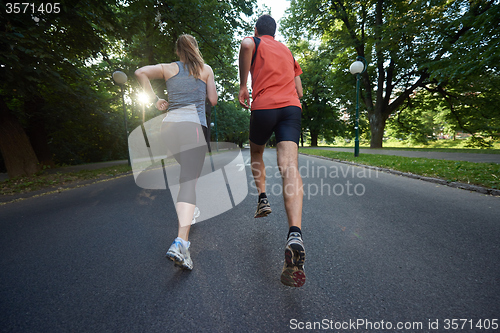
(186, 97)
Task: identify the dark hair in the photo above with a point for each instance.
(266, 25)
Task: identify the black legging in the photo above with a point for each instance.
(183, 140)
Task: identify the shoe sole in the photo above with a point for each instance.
(293, 270)
(178, 262)
(263, 213)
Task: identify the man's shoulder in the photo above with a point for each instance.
(247, 42)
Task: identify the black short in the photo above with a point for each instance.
(284, 122)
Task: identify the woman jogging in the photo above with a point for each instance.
(190, 82)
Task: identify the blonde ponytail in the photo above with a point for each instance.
(187, 50)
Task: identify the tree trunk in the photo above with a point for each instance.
(37, 133)
(39, 141)
(377, 127)
(17, 152)
(314, 138)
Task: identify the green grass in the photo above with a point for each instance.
(451, 146)
(482, 174)
(43, 181)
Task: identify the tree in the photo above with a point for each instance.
(233, 123)
(408, 44)
(58, 103)
(320, 116)
(12, 134)
(463, 107)
(417, 121)
(32, 70)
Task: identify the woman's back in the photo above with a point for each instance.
(186, 94)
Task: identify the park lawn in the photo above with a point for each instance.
(482, 174)
(450, 146)
(44, 181)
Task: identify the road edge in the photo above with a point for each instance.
(7, 199)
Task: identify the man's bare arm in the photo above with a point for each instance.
(245, 61)
(298, 86)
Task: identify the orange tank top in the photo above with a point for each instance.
(273, 76)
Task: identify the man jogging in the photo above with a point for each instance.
(275, 106)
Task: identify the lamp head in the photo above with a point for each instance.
(120, 77)
(357, 67)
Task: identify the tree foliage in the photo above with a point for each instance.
(441, 109)
(44, 68)
(231, 123)
(319, 110)
(409, 46)
(58, 103)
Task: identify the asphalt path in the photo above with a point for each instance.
(381, 250)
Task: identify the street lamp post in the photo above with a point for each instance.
(357, 68)
(144, 99)
(120, 78)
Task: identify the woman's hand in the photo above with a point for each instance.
(161, 104)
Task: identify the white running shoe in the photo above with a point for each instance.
(180, 255)
(195, 215)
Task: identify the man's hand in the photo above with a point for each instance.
(161, 104)
(244, 97)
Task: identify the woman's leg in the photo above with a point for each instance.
(190, 153)
(191, 161)
(185, 212)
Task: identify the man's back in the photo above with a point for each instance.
(273, 72)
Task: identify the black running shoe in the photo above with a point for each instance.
(293, 270)
(263, 208)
